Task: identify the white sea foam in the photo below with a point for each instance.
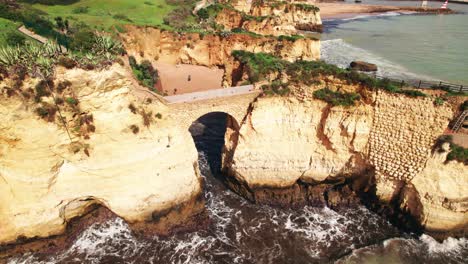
(341, 53)
(450, 244)
(366, 16)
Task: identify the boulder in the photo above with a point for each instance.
(363, 66)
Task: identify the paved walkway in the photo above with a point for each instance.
(37, 37)
(210, 94)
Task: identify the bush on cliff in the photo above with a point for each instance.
(259, 65)
(336, 98)
(276, 88)
(457, 152)
(145, 73)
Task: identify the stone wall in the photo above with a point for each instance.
(402, 137)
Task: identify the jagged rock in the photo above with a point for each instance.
(363, 66)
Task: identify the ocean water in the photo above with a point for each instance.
(242, 232)
(428, 47)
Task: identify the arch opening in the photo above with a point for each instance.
(215, 135)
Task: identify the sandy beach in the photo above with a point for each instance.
(344, 10)
(179, 79)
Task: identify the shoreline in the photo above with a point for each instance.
(330, 11)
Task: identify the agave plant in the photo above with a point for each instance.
(10, 56)
(106, 44)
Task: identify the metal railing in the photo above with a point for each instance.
(421, 84)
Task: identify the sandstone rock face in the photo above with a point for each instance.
(43, 184)
(443, 190)
(285, 141)
(280, 18)
(210, 50)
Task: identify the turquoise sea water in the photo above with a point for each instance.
(403, 45)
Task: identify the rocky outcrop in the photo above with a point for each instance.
(443, 190)
(48, 179)
(211, 50)
(363, 66)
(292, 151)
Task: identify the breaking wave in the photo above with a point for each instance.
(340, 53)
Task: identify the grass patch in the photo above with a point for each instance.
(104, 15)
(7, 27)
(336, 98)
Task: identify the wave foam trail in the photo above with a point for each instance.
(340, 53)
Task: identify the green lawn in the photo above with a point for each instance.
(104, 14)
(5, 27)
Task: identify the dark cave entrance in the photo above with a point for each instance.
(210, 133)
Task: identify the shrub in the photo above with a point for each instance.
(72, 101)
(47, 112)
(290, 38)
(457, 153)
(439, 101)
(66, 62)
(203, 13)
(277, 88)
(259, 65)
(464, 106)
(336, 98)
(135, 129)
(412, 93)
(83, 40)
(132, 108)
(61, 86)
(14, 38)
(145, 73)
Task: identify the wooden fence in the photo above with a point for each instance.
(420, 84)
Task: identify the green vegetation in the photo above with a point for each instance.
(291, 38)
(307, 7)
(39, 60)
(245, 32)
(439, 101)
(464, 106)
(104, 15)
(336, 98)
(8, 34)
(457, 152)
(145, 73)
(276, 87)
(259, 64)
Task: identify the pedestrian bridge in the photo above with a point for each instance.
(234, 101)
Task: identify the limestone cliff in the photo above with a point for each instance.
(46, 180)
(287, 145)
(211, 50)
(270, 17)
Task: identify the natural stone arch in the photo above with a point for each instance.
(216, 125)
(236, 106)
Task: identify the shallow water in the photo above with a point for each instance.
(242, 232)
(431, 47)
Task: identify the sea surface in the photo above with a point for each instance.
(242, 232)
(403, 45)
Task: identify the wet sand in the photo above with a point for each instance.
(175, 78)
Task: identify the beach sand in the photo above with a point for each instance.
(345, 10)
(175, 78)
